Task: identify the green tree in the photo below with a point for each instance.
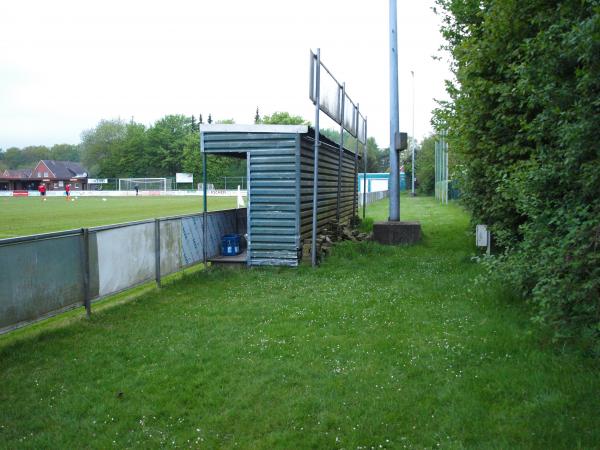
(283, 118)
(131, 154)
(32, 154)
(65, 152)
(425, 166)
(166, 140)
(13, 158)
(99, 148)
(377, 160)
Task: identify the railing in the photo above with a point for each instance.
(372, 197)
(46, 274)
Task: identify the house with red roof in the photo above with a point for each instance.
(54, 174)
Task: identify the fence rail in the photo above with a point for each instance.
(46, 274)
(372, 197)
(142, 193)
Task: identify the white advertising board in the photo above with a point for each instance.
(184, 178)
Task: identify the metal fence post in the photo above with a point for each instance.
(341, 153)
(355, 192)
(86, 272)
(157, 250)
(313, 249)
(366, 156)
(204, 199)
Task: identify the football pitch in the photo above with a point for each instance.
(21, 216)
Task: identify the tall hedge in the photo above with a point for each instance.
(524, 117)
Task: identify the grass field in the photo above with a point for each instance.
(21, 216)
(380, 347)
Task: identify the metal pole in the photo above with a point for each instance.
(86, 272)
(442, 160)
(157, 251)
(442, 167)
(366, 153)
(437, 174)
(446, 168)
(440, 143)
(435, 184)
(313, 249)
(341, 154)
(413, 133)
(355, 193)
(204, 201)
(394, 119)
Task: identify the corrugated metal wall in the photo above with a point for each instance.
(274, 203)
(280, 172)
(273, 192)
(328, 184)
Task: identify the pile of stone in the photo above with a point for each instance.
(332, 233)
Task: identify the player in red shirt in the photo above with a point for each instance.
(42, 190)
(67, 190)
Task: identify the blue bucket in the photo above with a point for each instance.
(230, 245)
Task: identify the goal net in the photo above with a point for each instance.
(143, 184)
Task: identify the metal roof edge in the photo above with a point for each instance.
(256, 128)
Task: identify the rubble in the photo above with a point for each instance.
(333, 232)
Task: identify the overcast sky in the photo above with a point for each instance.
(65, 65)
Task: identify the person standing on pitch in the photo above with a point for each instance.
(42, 190)
(137, 188)
(67, 190)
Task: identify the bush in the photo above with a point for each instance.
(524, 121)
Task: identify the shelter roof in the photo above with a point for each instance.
(16, 174)
(65, 169)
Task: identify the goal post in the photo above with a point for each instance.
(143, 184)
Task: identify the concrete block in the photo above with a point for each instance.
(395, 233)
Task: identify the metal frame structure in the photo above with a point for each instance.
(281, 167)
(344, 112)
(134, 181)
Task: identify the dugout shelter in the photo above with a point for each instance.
(280, 164)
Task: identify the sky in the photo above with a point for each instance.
(65, 65)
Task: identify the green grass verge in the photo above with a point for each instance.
(30, 215)
(380, 347)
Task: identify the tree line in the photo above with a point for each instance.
(524, 123)
(119, 149)
(27, 157)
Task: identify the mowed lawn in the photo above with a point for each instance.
(20, 216)
(380, 347)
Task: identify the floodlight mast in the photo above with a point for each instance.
(412, 72)
(394, 208)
